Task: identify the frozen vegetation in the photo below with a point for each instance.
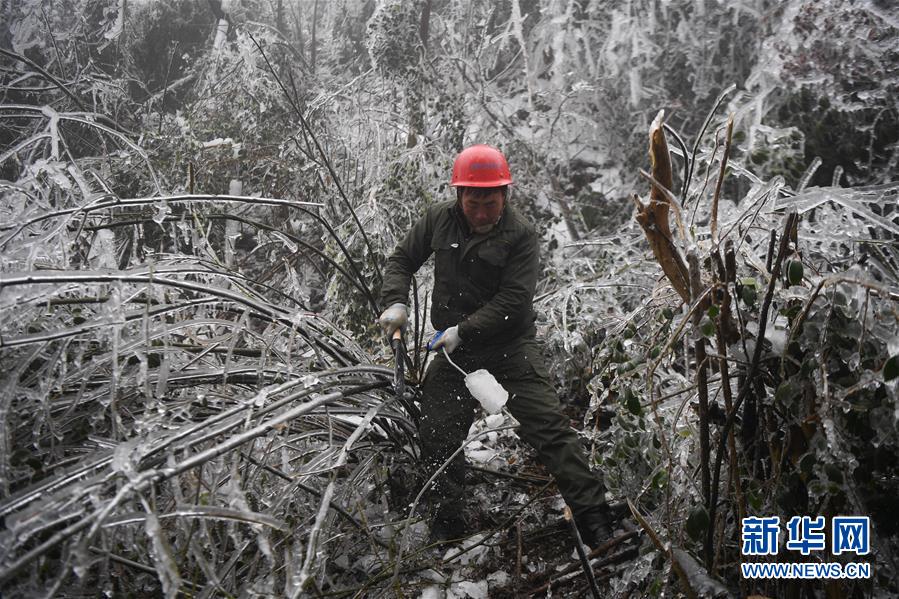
(195, 203)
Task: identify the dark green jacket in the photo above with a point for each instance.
(483, 283)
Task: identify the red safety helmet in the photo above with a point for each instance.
(481, 166)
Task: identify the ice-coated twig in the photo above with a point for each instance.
(142, 480)
(312, 545)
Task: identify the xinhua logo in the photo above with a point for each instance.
(851, 534)
(806, 535)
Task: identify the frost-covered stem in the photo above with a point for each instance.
(695, 307)
(211, 433)
(518, 552)
(312, 46)
(663, 439)
(259, 430)
(39, 278)
(103, 322)
(705, 125)
(144, 479)
(703, 393)
(355, 281)
(724, 321)
(559, 197)
(791, 221)
(312, 546)
(518, 30)
(683, 149)
(713, 222)
(341, 511)
(810, 172)
(45, 74)
(274, 313)
(104, 201)
(324, 157)
(769, 257)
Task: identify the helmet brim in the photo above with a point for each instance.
(495, 183)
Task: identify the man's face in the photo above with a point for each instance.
(482, 213)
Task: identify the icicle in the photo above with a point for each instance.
(837, 175)
(166, 568)
(809, 173)
(53, 126)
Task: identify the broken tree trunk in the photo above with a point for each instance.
(653, 217)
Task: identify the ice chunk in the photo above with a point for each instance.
(431, 592)
(481, 456)
(472, 590)
(162, 210)
(103, 251)
(494, 420)
(487, 390)
(498, 579)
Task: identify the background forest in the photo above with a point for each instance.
(196, 201)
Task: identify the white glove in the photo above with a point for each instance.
(450, 340)
(393, 318)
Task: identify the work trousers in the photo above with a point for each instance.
(448, 410)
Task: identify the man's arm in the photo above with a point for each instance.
(406, 259)
(515, 297)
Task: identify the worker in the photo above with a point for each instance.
(486, 264)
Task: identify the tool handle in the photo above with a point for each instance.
(434, 339)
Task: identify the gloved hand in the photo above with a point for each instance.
(449, 339)
(393, 318)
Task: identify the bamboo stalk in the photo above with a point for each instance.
(754, 365)
(713, 223)
(703, 393)
(724, 320)
(324, 156)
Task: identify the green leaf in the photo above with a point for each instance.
(618, 357)
(807, 463)
(631, 401)
(794, 272)
(755, 501)
(786, 391)
(834, 473)
(749, 294)
(707, 326)
(713, 311)
(891, 368)
(660, 479)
